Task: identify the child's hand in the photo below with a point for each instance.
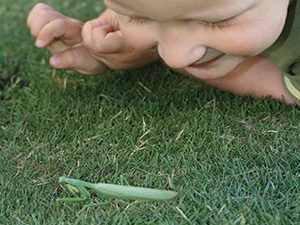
(104, 40)
(52, 29)
(61, 35)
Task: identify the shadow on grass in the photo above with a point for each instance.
(158, 85)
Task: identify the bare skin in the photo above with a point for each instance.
(86, 48)
(187, 37)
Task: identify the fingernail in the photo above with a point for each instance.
(55, 62)
(96, 23)
(40, 43)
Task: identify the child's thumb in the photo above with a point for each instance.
(78, 59)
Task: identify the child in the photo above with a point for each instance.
(248, 47)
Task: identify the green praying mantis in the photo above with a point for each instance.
(78, 188)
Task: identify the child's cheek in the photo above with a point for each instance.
(262, 35)
(250, 41)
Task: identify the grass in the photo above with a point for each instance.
(234, 160)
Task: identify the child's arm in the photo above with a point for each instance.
(257, 76)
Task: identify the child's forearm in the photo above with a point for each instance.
(258, 77)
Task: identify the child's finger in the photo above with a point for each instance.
(41, 15)
(36, 26)
(36, 10)
(78, 59)
(101, 38)
(112, 42)
(66, 29)
(57, 46)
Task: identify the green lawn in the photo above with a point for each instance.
(233, 160)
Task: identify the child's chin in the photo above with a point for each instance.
(207, 73)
